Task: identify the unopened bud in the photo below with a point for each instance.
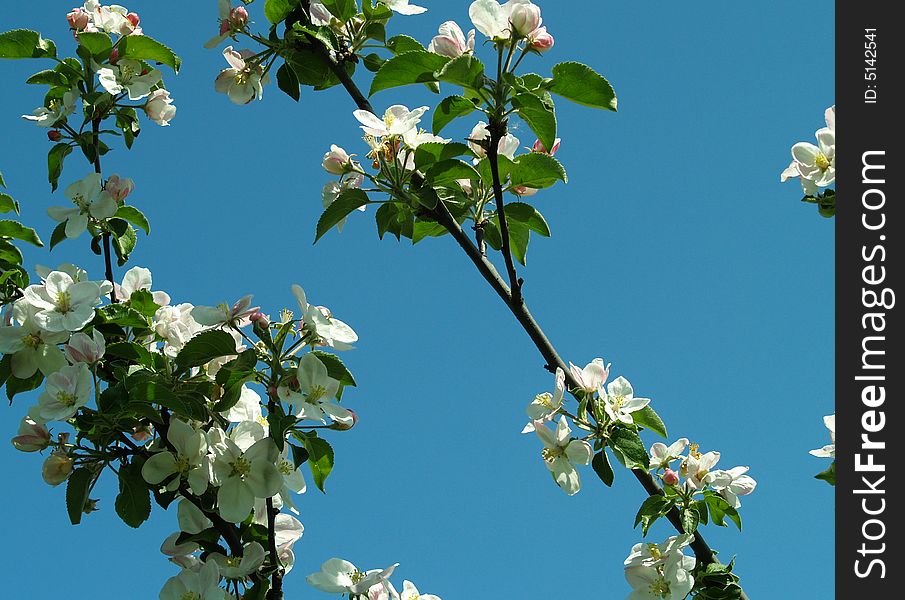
(539, 147)
(539, 40)
(57, 468)
(32, 436)
(78, 19)
(133, 18)
(238, 17)
(54, 135)
(345, 426)
(259, 318)
(670, 477)
(525, 18)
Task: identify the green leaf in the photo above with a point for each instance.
(309, 67)
(18, 231)
(124, 316)
(465, 70)
(276, 11)
(23, 43)
(77, 488)
(98, 44)
(519, 236)
(581, 84)
(448, 171)
(142, 47)
(335, 367)
(720, 509)
(320, 458)
(347, 201)
(629, 448)
(690, 520)
(601, 465)
(652, 509)
(430, 152)
(407, 69)
(58, 235)
(537, 170)
(829, 475)
(134, 216)
(539, 116)
(288, 81)
(133, 504)
(342, 9)
(143, 302)
(131, 352)
(649, 419)
(14, 385)
(401, 44)
(425, 229)
(145, 390)
(204, 348)
(450, 109)
(258, 591)
(55, 159)
(124, 244)
(527, 214)
(232, 377)
(7, 204)
(49, 77)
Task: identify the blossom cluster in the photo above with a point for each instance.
(338, 576)
(660, 571)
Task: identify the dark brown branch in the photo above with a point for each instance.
(497, 131)
(108, 261)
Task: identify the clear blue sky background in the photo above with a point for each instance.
(677, 255)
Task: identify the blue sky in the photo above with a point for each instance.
(677, 255)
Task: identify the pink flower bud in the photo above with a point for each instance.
(159, 107)
(32, 436)
(114, 56)
(539, 40)
(337, 161)
(523, 191)
(78, 19)
(525, 18)
(84, 349)
(133, 18)
(142, 433)
(670, 477)
(238, 17)
(343, 426)
(119, 188)
(259, 318)
(57, 468)
(539, 147)
(54, 136)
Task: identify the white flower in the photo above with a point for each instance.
(593, 377)
(507, 146)
(828, 451)
(239, 567)
(493, 20)
(287, 531)
(319, 322)
(696, 467)
(669, 581)
(815, 165)
(130, 76)
(61, 304)
(203, 584)
(339, 576)
(561, 453)
(731, 484)
(191, 518)
(316, 397)
(320, 15)
(451, 41)
(139, 278)
(620, 401)
(397, 120)
(89, 202)
(403, 7)
(30, 346)
(176, 326)
(65, 392)
(661, 456)
(58, 110)
(189, 462)
(224, 314)
(248, 408)
(159, 107)
(546, 405)
(650, 555)
(84, 349)
(410, 592)
(243, 81)
(244, 475)
(293, 480)
(32, 437)
(57, 468)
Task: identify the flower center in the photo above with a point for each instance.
(822, 162)
(356, 576)
(32, 340)
(317, 392)
(654, 551)
(545, 400)
(126, 72)
(660, 588)
(618, 401)
(241, 467)
(182, 464)
(552, 453)
(285, 467)
(233, 561)
(66, 399)
(63, 302)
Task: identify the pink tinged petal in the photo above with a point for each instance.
(234, 58)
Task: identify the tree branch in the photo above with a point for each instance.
(108, 263)
(497, 131)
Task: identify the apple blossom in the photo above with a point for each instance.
(815, 165)
(404, 8)
(539, 147)
(54, 135)
(561, 453)
(592, 377)
(661, 456)
(240, 567)
(337, 161)
(671, 580)
(139, 278)
(507, 146)
(546, 405)
(129, 76)
(231, 19)
(828, 451)
(287, 531)
(171, 546)
(320, 15)
(65, 392)
(525, 18)
(451, 41)
(244, 80)
(188, 461)
(731, 484)
(318, 321)
(244, 475)
(57, 110)
(78, 19)
(191, 519)
(339, 576)
(316, 398)
(670, 477)
(410, 592)
(397, 120)
(540, 40)
(57, 468)
(119, 188)
(33, 437)
(115, 19)
(89, 202)
(159, 107)
(203, 584)
(176, 326)
(696, 467)
(31, 347)
(83, 348)
(61, 304)
(650, 555)
(496, 21)
(620, 401)
(223, 314)
(248, 408)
